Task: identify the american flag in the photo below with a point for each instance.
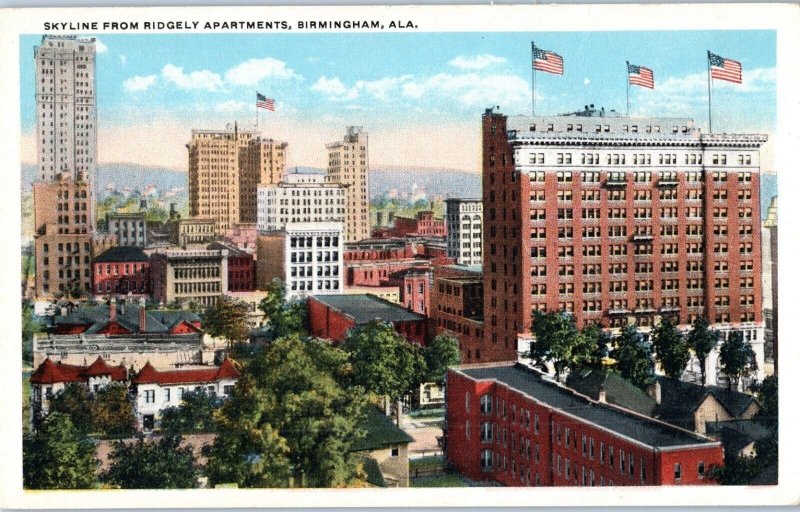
(264, 102)
(725, 69)
(640, 75)
(549, 62)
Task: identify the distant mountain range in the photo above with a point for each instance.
(429, 181)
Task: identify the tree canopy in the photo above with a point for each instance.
(672, 351)
(440, 354)
(290, 421)
(702, 340)
(194, 414)
(736, 358)
(634, 361)
(558, 340)
(161, 464)
(383, 361)
(58, 456)
(107, 411)
(228, 319)
(283, 318)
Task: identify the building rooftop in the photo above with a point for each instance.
(619, 391)
(381, 432)
(473, 269)
(96, 318)
(50, 373)
(149, 375)
(122, 254)
(628, 424)
(366, 308)
(680, 400)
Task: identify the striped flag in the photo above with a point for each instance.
(546, 61)
(640, 75)
(725, 69)
(264, 102)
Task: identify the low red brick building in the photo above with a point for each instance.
(424, 223)
(508, 425)
(241, 267)
(457, 308)
(121, 270)
(331, 316)
(415, 288)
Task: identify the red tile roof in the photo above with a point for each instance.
(50, 373)
(149, 375)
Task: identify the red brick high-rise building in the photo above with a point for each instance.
(619, 220)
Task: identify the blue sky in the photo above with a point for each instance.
(419, 95)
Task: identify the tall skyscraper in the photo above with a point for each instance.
(66, 155)
(348, 164)
(619, 221)
(225, 169)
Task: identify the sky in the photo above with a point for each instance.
(418, 95)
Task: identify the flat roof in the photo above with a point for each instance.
(628, 424)
(367, 307)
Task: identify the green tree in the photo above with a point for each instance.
(112, 411)
(58, 456)
(284, 319)
(702, 340)
(228, 319)
(441, 354)
(634, 361)
(384, 362)
(30, 326)
(290, 421)
(75, 402)
(736, 358)
(558, 340)
(598, 342)
(671, 348)
(163, 464)
(194, 414)
(768, 399)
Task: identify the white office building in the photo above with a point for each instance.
(464, 219)
(300, 198)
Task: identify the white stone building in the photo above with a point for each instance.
(157, 390)
(300, 198)
(464, 218)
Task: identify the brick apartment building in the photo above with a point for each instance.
(121, 270)
(619, 220)
(457, 307)
(423, 224)
(414, 285)
(241, 267)
(508, 425)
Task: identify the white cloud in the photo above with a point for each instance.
(252, 71)
(476, 62)
(334, 89)
(99, 46)
(123, 59)
(139, 83)
(203, 79)
(230, 106)
(586, 81)
(472, 89)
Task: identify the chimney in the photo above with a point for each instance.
(601, 395)
(142, 316)
(112, 309)
(654, 390)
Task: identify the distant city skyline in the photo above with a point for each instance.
(153, 89)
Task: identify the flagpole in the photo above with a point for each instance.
(627, 89)
(533, 83)
(256, 111)
(709, 90)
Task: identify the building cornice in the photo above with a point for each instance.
(721, 140)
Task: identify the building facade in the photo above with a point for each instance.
(457, 308)
(198, 275)
(306, 256)
(225, 169)
(348, 164)
(464, 221)
(185, 232)
(300, 198)
(241, 267)
(769, 253)
(66, 112)
(508, 425)
(619, 220)
(415, 288)
(129, 228)
(120, 271)
(422, 224)
(63, 240)
(157, 390)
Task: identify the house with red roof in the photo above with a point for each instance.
(50, 378)
(157, 390)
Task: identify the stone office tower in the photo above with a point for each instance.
(225, 169)
(66, 161)
(348, 164)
